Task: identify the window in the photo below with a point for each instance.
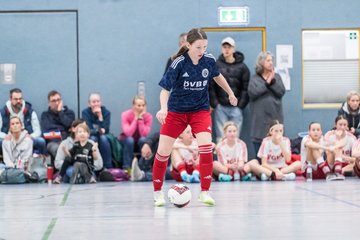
(330, 66)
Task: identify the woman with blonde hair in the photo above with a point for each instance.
(233, 161)
(275, 153)
(136, 125)
(351, 110)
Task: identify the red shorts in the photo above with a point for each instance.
(317, 174)
(175, 123)
(356, 170)
(176, 175)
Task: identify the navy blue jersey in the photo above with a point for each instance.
(188, 83)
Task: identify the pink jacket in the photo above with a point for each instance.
(129, 124)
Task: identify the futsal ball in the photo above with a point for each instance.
(179, 195)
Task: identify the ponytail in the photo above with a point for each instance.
(181, 51)
(193, 35)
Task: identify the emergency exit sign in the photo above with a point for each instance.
(233, 15)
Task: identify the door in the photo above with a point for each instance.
(249, 41)
(43, 45)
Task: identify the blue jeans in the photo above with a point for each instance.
(146, 166)
(128, 149)
(67, 176)
(223, 114)
(105, 149)
(39, 145)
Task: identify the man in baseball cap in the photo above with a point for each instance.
(228, 40)
(232, 67)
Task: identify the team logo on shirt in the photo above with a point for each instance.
(185, 74)
(205, 72)
(197, 85)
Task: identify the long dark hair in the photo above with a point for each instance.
(338, 118)
(193, 35)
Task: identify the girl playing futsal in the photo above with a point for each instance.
(275, 154)
(184, 100)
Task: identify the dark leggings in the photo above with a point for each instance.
(68, 161)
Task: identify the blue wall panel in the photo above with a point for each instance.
(123, 42)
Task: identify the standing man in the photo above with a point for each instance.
(17, 106)
(231, 65)
(56, 122)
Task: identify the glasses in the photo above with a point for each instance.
(55, 100)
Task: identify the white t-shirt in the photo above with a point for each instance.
(350, 139)
(232, 154)
(273, 152)
(188, 157)
(304, 150)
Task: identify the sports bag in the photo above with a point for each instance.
(12, 176)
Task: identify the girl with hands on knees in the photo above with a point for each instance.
(232, 156)
(339, 143)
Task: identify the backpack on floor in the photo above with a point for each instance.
(12, 176)
(39, 165)
(113, 174)
(116, 150)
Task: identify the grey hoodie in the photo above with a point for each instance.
(13, 151)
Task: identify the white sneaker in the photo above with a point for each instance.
(236, 176)
(206, 198)
(331, 177)
(159, 199)
(339, 176)
(289, 177)
(136, 173)
(263, 177)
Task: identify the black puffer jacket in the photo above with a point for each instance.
(352, 117)
(237, 75)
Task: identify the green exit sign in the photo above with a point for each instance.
(233, 15)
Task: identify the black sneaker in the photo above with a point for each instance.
(31, 177)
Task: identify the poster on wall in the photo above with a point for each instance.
(285, 77)
(284, 61)
(284, 56)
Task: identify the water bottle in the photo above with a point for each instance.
(141, 88)
(309, 173)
